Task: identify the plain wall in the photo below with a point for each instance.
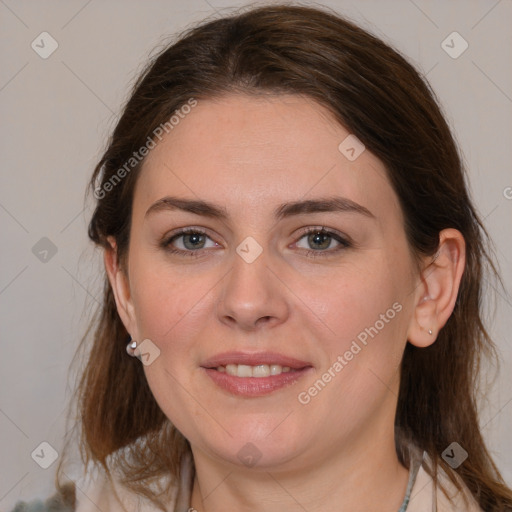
(56, 114)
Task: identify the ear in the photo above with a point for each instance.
(118, 279)
(437, 291)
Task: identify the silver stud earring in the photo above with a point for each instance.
(130, 348)
(430, 331)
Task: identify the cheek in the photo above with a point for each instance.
(171, 311)
(166, 303)
(358, 299)
(366, 321)
(362, 345)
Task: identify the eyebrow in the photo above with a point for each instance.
(206, 209)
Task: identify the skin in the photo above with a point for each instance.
(250, 154)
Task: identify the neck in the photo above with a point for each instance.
(358, 477)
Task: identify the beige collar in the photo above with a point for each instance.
(102, 494)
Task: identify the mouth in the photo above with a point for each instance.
(255, 374)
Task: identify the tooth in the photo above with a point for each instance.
(231, 369)
(244, 370)
(275, 369)
(261, 370)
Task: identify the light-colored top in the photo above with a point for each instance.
(95, 492)
(421, 496)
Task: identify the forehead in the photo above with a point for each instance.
(251, 153)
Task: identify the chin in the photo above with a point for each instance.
(257, 444)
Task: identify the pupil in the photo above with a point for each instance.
(320, 238)
(193, 238)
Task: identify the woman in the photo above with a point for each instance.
(294, 267)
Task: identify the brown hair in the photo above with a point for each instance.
(374, 92)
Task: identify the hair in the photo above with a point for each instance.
(373, 91)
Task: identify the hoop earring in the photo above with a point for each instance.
(130, 348)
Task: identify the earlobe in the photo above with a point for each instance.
(120, 286)
(424, 328)
(438, 289)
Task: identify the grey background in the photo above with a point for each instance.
(56, 114)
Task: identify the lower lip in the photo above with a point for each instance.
(255, 386)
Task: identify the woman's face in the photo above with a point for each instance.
(254, 287)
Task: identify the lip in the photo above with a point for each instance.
(253, 359)
(255, 386)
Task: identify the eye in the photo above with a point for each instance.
(192, 241)
(188, 242)
(319, 240)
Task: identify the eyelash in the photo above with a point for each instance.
(344, 243)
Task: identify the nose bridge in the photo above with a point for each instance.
(251, 291)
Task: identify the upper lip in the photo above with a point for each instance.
(253, 359)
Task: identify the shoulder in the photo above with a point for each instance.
(103, 492)
(424, 495)
(108, 493)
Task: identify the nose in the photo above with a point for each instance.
(252, 297)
